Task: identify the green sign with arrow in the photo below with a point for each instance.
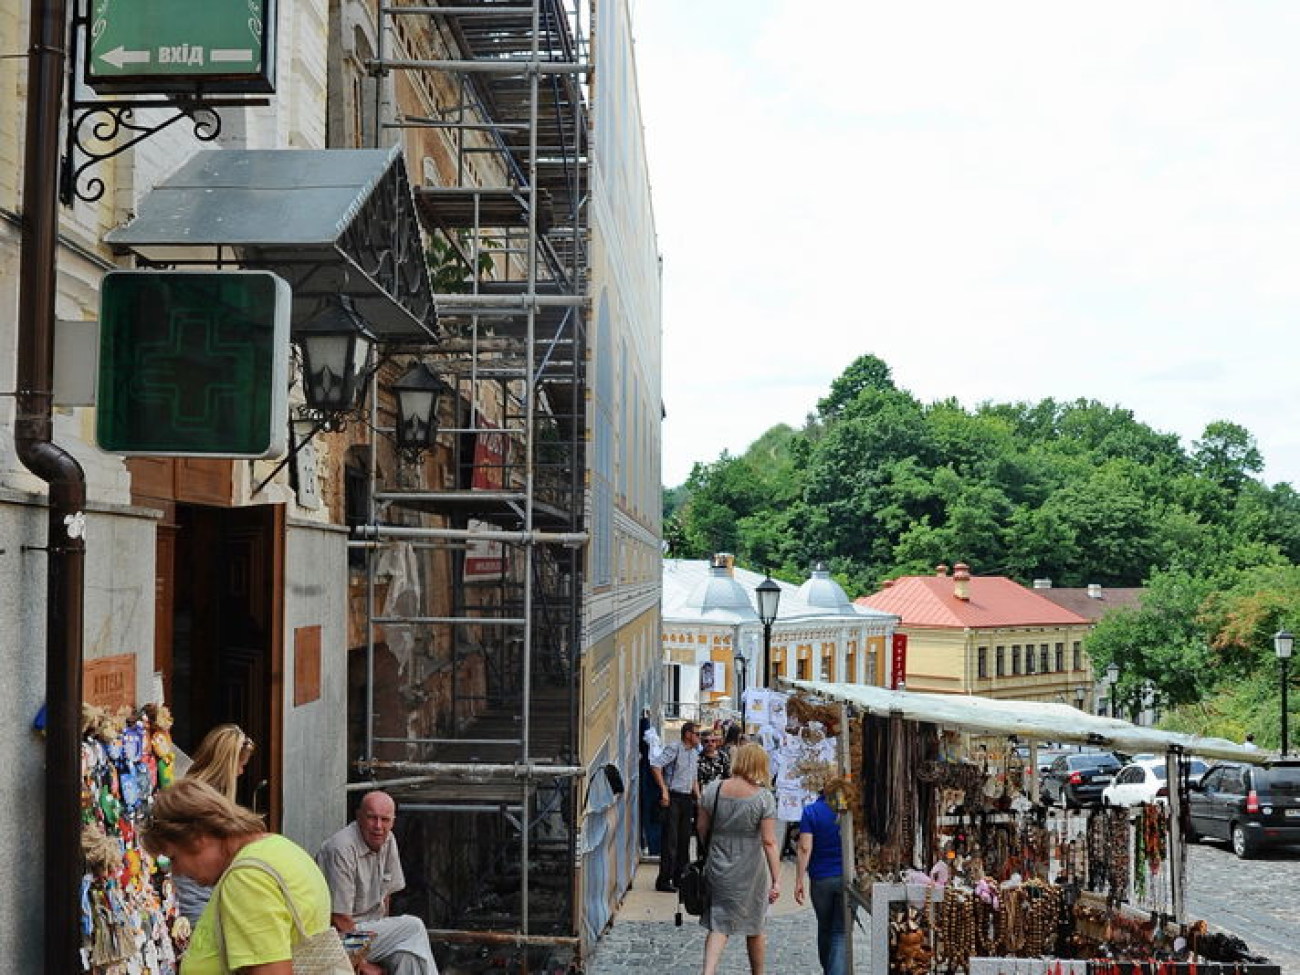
(211, 46)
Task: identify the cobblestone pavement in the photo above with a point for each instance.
(644, 939)
(1253, 899)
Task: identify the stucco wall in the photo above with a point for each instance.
(315, 749)
(118, 619)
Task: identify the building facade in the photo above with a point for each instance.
(713, 637)
(988, 635)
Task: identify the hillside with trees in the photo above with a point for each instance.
(878, 484)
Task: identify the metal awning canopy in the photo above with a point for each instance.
(1038, 720)
(329, 221)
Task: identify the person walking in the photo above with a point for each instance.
(268, 895)
(675, 772)
(819, 858)
(743, 866)
(713, 763)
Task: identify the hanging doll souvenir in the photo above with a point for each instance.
(160, 743)
(133, 741)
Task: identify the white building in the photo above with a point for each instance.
(713, 638)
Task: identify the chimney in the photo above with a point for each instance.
(941, 570)
(726, 562)
(1042, 583)
(961, 581)
(1094, 590)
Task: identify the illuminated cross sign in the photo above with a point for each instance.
(193, 364)
(211, 46)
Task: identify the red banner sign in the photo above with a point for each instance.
(898, 663)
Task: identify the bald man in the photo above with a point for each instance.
(360, 862)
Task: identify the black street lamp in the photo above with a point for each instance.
(417, 394)
(1112, 678)
(335, 344)
(1283, 643)
(769, 598)
(741, 652)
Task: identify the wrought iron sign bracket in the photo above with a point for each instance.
(101, 128)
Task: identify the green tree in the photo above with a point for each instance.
(865, 372)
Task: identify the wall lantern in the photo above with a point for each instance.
(335, 344)
(418, 393)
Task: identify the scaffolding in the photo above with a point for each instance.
(473, 559)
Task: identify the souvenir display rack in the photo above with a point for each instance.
(129, 914)
(992, 874)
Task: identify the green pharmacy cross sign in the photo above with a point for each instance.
(213, 46)
(193, 364)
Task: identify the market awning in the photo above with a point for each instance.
(329, 221)
(1038, 720)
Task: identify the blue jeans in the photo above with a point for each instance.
(827, 895)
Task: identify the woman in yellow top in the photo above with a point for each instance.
(248, 926)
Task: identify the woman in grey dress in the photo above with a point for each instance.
(744, 865)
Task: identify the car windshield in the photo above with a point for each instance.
(1159, 771)
(1099, 760)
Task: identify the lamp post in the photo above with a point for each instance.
(1112, 679)
(769, 598)
(1283, 643)
(741, 653)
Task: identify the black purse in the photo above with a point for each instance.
(693, 889)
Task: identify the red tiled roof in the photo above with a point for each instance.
(994, 601)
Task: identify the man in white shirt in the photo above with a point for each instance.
(674, 771)
(363, 869)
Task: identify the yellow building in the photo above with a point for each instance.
(987, 635)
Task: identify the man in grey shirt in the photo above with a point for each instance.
(674, 771)
(363, 869)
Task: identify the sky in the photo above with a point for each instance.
(1004, 201)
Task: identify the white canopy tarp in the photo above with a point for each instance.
(1036, 720)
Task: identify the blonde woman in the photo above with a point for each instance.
(218, 761)
(268, 893)
(221, 758)
(744, 865)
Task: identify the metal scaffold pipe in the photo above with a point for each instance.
(483, 67)
(391, 532)
(475, 770)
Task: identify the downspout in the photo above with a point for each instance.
(33, 439)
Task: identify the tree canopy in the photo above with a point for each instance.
(878, 484)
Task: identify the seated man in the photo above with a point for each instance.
(360, 862)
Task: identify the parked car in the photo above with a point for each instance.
(1077, 778)
(1145, 781)
(1250, 807)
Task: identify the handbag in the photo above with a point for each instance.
(316, 954)
(693, 889)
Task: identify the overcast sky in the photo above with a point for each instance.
(1002, 200)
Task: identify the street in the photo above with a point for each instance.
(1253, 899)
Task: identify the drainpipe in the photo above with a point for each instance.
(33, 439)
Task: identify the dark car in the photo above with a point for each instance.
(1077, 779)
(1250, 807)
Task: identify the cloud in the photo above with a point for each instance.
(1003, 201)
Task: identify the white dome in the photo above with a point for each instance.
(720, 592)
(823, 594)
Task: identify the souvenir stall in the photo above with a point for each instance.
(962, 869)
(129, 919)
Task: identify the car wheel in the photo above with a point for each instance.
(1241, 842)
